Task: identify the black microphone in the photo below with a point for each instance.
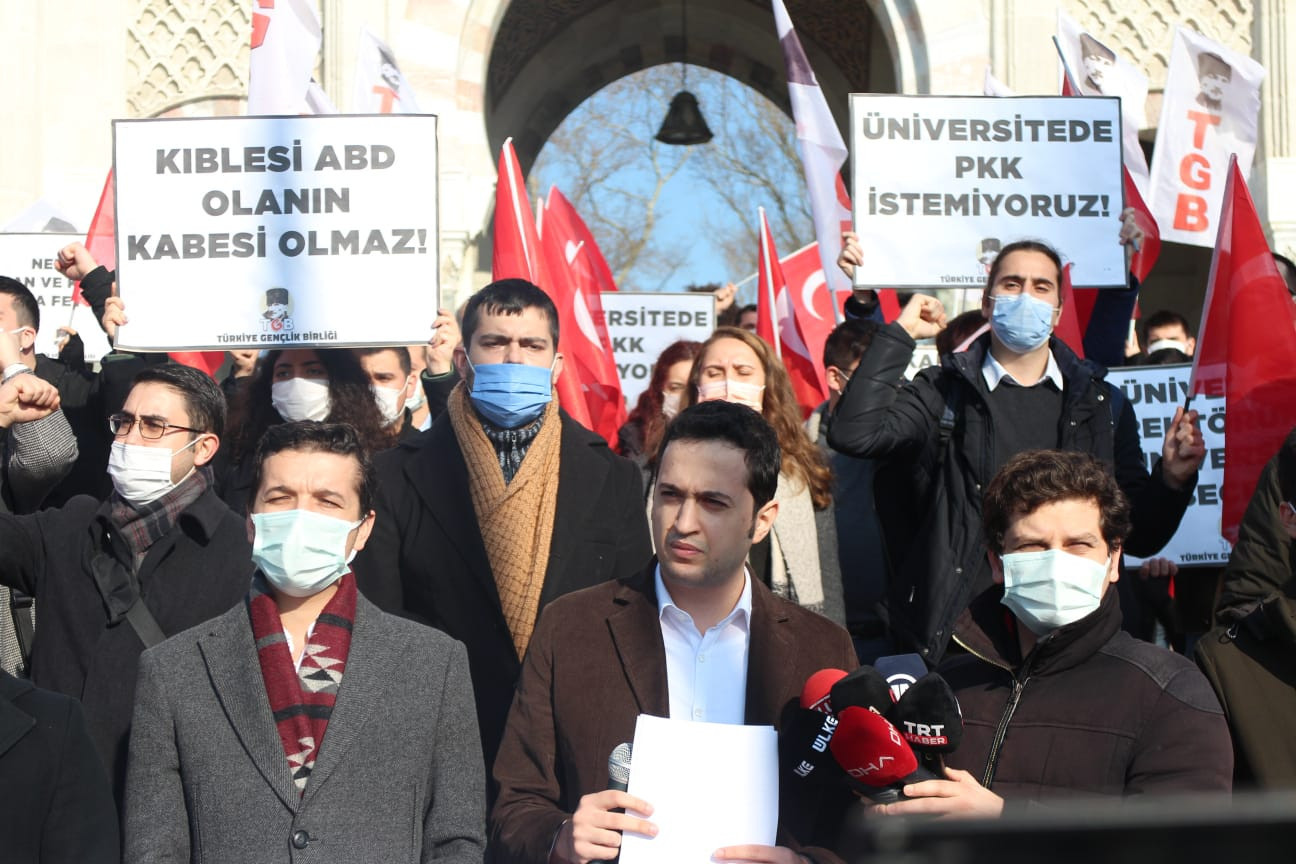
(900, 671)
(874, 755)
(803, 745)
(619, 767)
(861, 688)
(929, 718)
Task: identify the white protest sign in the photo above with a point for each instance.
(271, 232)
(1154, 392)
(642, 324)
(941, 183)
(1211, 108)
(29, 258)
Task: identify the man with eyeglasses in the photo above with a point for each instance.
(161, 554)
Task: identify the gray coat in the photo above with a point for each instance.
(398, 777)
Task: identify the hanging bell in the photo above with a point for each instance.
(684, 124)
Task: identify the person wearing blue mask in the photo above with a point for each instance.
(1057, 701)
(304, 721)
(942, 437)
(504, 504)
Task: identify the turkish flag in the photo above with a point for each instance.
(808, 297)
(1246, 348)
(517, 255)
(580, 273)
(778, 323)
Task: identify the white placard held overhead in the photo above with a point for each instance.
(710, 785)
(275, 232)
(642, 324)
(941, 183)
(29, 258)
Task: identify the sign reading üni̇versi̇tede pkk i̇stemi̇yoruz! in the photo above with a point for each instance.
(265, 232)
(941, 183)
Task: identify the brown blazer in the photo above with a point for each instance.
(596, 662)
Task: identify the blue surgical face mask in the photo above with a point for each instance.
(1021, 322)
(300, 552)
(509, 395)
(1050, 589)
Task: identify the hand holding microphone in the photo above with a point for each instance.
(594, 831)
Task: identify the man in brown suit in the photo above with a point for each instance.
(692, 636)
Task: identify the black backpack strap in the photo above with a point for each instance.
(22, 610)
(119, 589)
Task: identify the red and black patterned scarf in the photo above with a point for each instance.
(302, 701)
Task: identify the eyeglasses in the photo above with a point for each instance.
(151, 428)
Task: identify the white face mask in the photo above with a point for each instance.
(301, 399)
(670, 405)
(389, 403)
(301, 552)
(416, 401)
(142, 474)
(1050, 589)
(732, 390)
(1181, 347)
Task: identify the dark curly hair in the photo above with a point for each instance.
(351, 401)
(1034, 478)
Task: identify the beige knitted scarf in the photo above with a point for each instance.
(516, 519)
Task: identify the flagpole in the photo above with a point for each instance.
(1227, 202)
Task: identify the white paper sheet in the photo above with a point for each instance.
(710, 785)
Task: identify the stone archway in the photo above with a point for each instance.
(546, 57)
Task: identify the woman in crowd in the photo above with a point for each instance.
(638, 437)
(798, 559)
(325, 384)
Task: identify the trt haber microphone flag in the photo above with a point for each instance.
(823, 152)
(776, 323)
(1246, 348)
(286, 38)
(517, 255)
(578, 270)
(1211, 109)
(381, 88)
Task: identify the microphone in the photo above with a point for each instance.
(929, 718)
(862, 688)
(619, 767)
(814, 695)
(874, 755)
(804, 739)
(900, 671)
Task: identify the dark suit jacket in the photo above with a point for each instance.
(426, 558)
(398, 775)
(596, 662)
(58, 805)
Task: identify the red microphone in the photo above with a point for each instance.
(818, 687)
(874, 754)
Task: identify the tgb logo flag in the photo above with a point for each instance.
(1211, 109)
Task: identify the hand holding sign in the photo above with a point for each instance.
(439, 350)
(852, 254)
(1130, 233)
(1183, 451)
(114, 315)
(923, 317)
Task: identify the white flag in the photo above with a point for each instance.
(380, 86)
(1100, 71)
(1211, 109)
(994, 87)
(823, 152)
(286, 38)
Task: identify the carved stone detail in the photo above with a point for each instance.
(178, 51)
(1143, 32)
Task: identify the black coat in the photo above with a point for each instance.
(202, 567)
(58, 805)
(930, 503)
(426, 558)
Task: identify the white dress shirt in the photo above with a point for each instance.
(706, 673)
(993, 372)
